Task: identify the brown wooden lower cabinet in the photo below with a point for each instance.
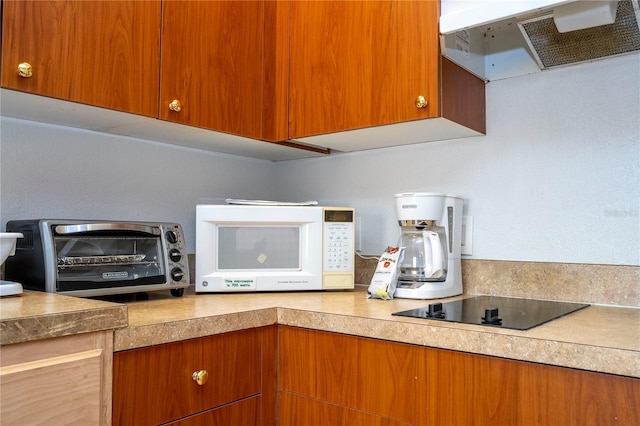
(465, 389)
(155, 385)
(322, 378)
(367, 375)
(334, 379)
(478, 390)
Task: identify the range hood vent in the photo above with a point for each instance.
(552, 48)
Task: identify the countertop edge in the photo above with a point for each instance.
(168, 332)
(622, 362)
(39, 327)
(543, 351)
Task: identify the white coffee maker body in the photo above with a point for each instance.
(434, 271)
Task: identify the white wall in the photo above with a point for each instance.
(63, 173)
(557, 178)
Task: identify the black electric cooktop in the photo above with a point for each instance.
(505, 312)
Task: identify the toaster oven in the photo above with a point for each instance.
(96, 258)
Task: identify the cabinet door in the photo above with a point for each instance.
(356, 64)
(212, 63)
(102, 53)
(563, 396)
(65, 380)
(357, 373)
(155, 385)
(464, 389)
(467, 389)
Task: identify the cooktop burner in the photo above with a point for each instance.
(505, 312)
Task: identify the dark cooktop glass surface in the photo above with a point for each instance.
(505, 312)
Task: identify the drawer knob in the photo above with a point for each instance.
(200, 377)
(175, 105)
(421, 102)
(25, 69)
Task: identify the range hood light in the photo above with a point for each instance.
(582, 14)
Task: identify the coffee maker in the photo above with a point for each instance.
(431, 233)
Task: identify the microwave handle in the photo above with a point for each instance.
(106, 226)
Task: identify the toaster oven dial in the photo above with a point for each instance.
(177, 274)
(175, 255)
(172, 237)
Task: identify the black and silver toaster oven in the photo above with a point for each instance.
(96, 258)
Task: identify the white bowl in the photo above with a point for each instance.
(8, 244)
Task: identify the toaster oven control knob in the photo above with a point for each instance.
(172, 237)
(177, 274)
(175, 255)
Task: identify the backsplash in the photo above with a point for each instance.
(586, 283)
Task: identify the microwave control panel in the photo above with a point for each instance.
(338, 248)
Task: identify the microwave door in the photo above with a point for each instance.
(265, 248)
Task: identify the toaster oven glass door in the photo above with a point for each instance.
(90, 261)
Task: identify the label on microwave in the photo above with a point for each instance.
(239, 283)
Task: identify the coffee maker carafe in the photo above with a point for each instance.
(431, 231)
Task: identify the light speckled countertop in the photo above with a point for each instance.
(598, 338)
(34, 315)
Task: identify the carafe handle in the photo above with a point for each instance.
(437, 257)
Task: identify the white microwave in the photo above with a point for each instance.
(242, 248)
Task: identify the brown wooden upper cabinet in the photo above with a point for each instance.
(102, 53)
(263, 69)
(357, 64)
(212, 65)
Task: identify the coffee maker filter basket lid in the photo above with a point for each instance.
(420, 205)
(426, 194)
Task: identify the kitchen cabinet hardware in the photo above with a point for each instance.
(25, 69)
(421, 102)
(200, 377)
(175, 105)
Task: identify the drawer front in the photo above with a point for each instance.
(245, 413)
(155, 385)
(58, 390)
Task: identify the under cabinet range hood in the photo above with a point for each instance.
(500, 38)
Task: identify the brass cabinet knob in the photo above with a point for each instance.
(421, 102)
(175, 105)
(200, 377)
(25, 69)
